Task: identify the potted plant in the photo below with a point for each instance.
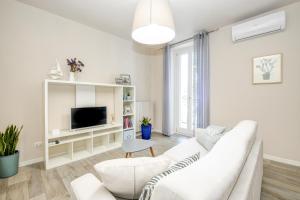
(75, 67)
(9, 156)
(146, 128)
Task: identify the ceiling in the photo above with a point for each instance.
(116, 16)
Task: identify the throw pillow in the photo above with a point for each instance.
(215, 130)
(149, 187)
(126, 177)
(206, 140)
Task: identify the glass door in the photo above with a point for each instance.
(183, 82)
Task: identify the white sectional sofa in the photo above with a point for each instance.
(232, 170)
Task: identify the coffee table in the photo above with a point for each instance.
(135, 145)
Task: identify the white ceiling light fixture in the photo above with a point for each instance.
(153, 22)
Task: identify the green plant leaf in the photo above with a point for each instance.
(146, 121)
(2, 145)
(9, 140)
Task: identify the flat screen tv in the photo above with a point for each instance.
(87, 117)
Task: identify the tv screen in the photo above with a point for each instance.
(86, 117)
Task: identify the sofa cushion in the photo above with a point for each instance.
(149, 187)
(184, 150)
(214, 176)
(215, 129)
(126, 177)
(207, 140)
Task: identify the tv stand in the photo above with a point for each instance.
(66, 146)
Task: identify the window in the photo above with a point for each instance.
(183, 90)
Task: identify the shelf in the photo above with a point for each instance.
(128, 101)
(82, 147)
(82, 143)
(81, 154)
(65, 133)
(128, 114)
(128, 86)
(104, 148)
(65, 82)
(106, 133)
(127, 129)
(64, 159)
(70, 140)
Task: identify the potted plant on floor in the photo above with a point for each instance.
(9, 156)
(146, 128)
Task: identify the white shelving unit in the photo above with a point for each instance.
(72, 145)
(129, 114)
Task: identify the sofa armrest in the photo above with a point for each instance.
(88, 187)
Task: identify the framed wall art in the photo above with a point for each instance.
(267, 69)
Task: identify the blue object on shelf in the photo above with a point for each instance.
(146, 132)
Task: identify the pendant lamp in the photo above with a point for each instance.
(153, 22)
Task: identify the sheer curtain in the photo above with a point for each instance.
(200, 99)
(167, 122)
(201, 81)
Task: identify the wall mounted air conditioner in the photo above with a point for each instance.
(260, 26)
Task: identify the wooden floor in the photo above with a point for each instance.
(280, 181)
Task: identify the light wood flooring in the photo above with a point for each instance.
(280, 182)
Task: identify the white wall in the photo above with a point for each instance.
(30, 40)
(157, 89)
(276, 107)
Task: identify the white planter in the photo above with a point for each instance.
(72, 76)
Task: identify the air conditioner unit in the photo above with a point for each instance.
(260, 26)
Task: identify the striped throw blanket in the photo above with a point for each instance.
(149, 187)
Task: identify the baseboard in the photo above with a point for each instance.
(282, 160)
(30, 162)
(157, 131)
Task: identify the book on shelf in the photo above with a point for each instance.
(127, 123)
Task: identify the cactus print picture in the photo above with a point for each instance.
(267, 69)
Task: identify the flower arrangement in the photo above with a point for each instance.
(75, 65)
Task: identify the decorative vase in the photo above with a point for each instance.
(72, 76)
(9, 165)
(266, 76)
(146, 131)
(56, 73)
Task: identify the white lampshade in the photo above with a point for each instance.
(153, 22)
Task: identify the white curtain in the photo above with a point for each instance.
(201, 80)
(200, 85)
(167, 122)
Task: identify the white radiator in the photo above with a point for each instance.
(143, 109)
